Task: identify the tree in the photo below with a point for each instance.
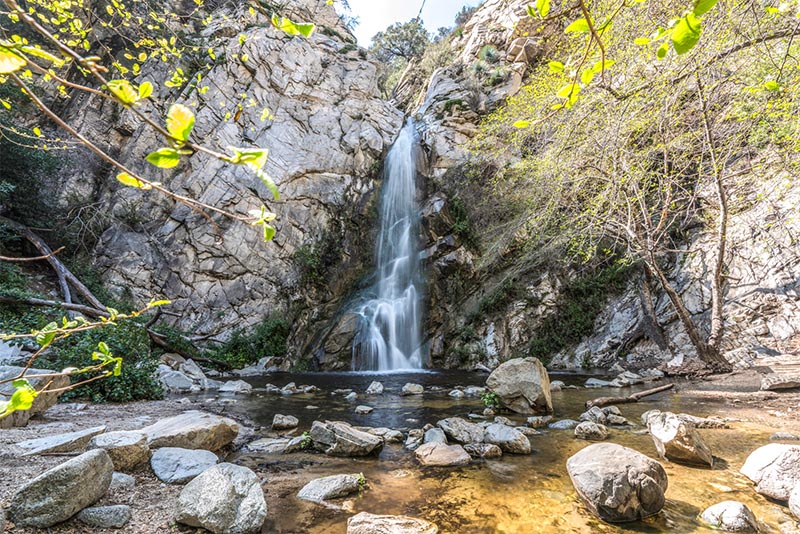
(401, 41)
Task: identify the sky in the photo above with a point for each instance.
(377, 15)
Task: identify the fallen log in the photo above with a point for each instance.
(608, 401)
(80, 308)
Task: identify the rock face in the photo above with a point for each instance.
(68, 442)
(128, 450)
(522, 385)
(678, 441)
(330, 487)
(507, 438)
(340, 439)
(42, 401)
(192, 430)
(225, 499)
(435, 454)
(461, 431)
(731, 516)
(365, 523)
(116, 516)
(61, 492)
(178, 466)
(775, 469)
(616, 483)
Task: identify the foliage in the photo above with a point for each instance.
(245, 347)
(402, 40)
(491, 400)
(464, 15)
(306, 442)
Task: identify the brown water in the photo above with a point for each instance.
(515, 494)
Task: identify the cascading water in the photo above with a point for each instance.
(389, 338)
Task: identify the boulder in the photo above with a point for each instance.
(363, 410)
(284, 422)
(794, 502)
(365, 523)
(174, 465)
(522, 386)
(557, 385)
(127, 449)
(617, 484)
(539, 421)
(414, 439)
(564, 424)
(375, 388)
(331, 487)
(412, 389)
(71, 441)
(507, 438)
(441, 455)
(42, 402)
(594, 415)
(336, 438)
(678, 441)
(174, 381)
(235, 387)
(474, 391)
(597, 383)
(121, 482)
(591, 431)
(225, 499)
(270, 445)
(483, 450)
(192, 370)
(115, 516)
(61, 492)
(779, 382)
(457, 394)
(351, 396)
(775, 468)
(730, 516)
(461, 430)
(192, 430)
(784, 436)
(434, 435)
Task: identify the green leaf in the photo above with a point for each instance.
(145, 90)
(556, 66)
(531, 11)
(686, 33)
(701, 7)
(269, 232)
(601, 66)
(641, 41)
(157, 303)
(117, 367)
(22, 398)
(46, 335)
(20, 382)
(266, 180)
(126, 179)
(9, 61)
(522, 124)
(587, 76)
(38, 52)
(661, 53)
(164, 158)
(180, 121)
(568, 91)
(772, 85)
(578, 26)
(292, 28)
(124, 91)
(543, 7)
(103, 348)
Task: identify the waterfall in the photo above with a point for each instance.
(389, 336)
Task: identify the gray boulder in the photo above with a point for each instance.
(127, 449)
(522, 386)
(61, 492)
(375, 388)
(174, 381)
(564, 424)
(192, 430)
(43, 400)
(225, 499)
(617, 484)
(365, 523)
(539, 421)
(461, 430)
(414, 439)
(434, 435)
(116, 516)
(591, 431)
(236, 387)
(775, 469)
(441, 455)
(597, 383)
(331, 487)
(71, 441)
(457, 394)
(594, 415)
(678, 441)
(174, 465)
(794, 502)
(412, 389)
(483, 450)
(336, 438)
(730, 516)
(284, 422)
(270, 445)
(121, 482)
(509, 439)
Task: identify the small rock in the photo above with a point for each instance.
(528, 431)
(331, 487)
(120, 482)
(363, 410)
(192, 370)
(474, 391)
(594, 415)
(341, 391)
(71, 441)
(564, 424)
(174, 381)
(178, 466)
(591, 431)
(435, 435)
(507, 438)
(412, 389)
(365, 523)
(596, 383)
(500, 420)
(730, 516)
(375, 388)
(127, 449)
(457, 394)
(539, 421)
(557, 385)
(784, 436)
(488, 412)
(414, 439)
(116, 516)
(284, 422)
(236, 387)
(441, 455)
(351, 396)
(775, 468)
(616, 420)
(483, 450)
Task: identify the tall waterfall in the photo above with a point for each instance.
(389, 338)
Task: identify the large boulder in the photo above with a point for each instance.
(678, 440)
(617, 484)
(192, 430)
(442, 455)
(225, 499)
(522, 386)
(794, 502)
(775, 468)
(365, 523)
(42, 401)
(174, 465)
(730, 516)
(336, 438)
(127, 449)
(322, 489)
(115, 516)
(461, 430)
(63, 491)
(68, 442)
(509, 439)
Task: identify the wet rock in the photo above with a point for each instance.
(564, 424)
(503, 420)
(483, 450)
(528, 431)
(522, 386)
(617, 484)
(775, 469)
(539, 421)
(627, 378)
(375, 388)
(461, 430)
(174, 465)
(225, 499)
(115, 516)
(351, 396)
(730, 516)
(596, 383)
(414, 439)
(128, 449)
(457, 394)
(616, 420)
(591, 431)
(331, 487)
(42, 402)
(71, 441)
(507, 438)
(594, 415)
(412, 389)
(61, 492)
(794, 502)
(192, 430)
(363, 410)
(365, 523)
(441, 455)
(236, 387)
(340, 439)
(341, 391)
(678, 441)
(388, 435)
(284, 422)
(435, 435)
(120, 482)
(784, 436)
(697, 422)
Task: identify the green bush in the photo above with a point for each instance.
(245, 348)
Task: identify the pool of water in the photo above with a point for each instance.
(515, 494)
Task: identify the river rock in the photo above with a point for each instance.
(192, 430)
(270, 445)
(352, 396)
(127, 449)
(594, 415)
(412, 389)
(71, 441)
(236, 387)
(414, 438)
(174, 465)
(522, 386)
(337, 438)
(564, 424)
(678, 441)
(363, 410)
(784, 436)
(539, 421)
(441, 455)
(225, 499)
(284, 422)
(375, 388)
(557, 385)
(461, 430)
(365, 523)
(730, 516)
(794, 502)
(43, 400)
(474, 391)
(457, 394)
(483, 450)
(331, 487)
(61, 492)
(115, 516)
(120, 482)
(775, 469)
(617, 484)
(174, 381)
(192, 370)
(435, 435)
(591, 431)
(596, 383)
(507, 438)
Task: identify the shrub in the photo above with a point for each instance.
(267, 339)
